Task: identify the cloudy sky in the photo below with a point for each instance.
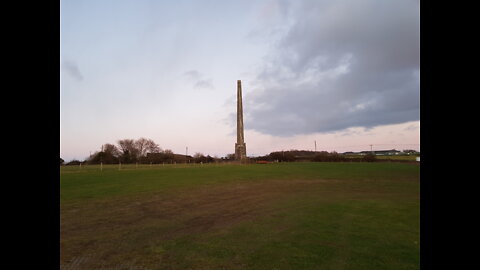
(342, 73)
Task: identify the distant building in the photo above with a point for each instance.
(377, 152)
(384, 152)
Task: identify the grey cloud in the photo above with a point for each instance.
(341, 64)
(198, 80)
(72, 69)
(192, 74)
(207, 84)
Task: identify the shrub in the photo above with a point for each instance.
(74, 162)
(324, 156)
(369, 158)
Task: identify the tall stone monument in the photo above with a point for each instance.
(240, 147)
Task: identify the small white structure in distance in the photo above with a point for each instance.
(417, 159)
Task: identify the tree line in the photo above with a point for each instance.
(143, 151)
(146, 151)
(126, 151)
(317, 156)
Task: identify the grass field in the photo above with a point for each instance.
(393, 158)
(262, 216)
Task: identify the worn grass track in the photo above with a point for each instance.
(272, 216)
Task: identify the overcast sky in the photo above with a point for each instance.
(342, 73)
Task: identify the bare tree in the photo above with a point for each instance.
(129, 151)
(108, 154)
(126, 145)
(169, 155)
(111, 149)
(152, 147)
(141, 147)
(144, 146)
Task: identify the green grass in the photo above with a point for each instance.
(89, 182)
(262, 216)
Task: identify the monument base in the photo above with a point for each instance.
(240, 151)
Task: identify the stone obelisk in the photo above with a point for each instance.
(240, 147)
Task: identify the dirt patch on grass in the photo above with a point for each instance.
(107, 230)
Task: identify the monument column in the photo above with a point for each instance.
(240, 147)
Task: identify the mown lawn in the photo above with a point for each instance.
(263, 216)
